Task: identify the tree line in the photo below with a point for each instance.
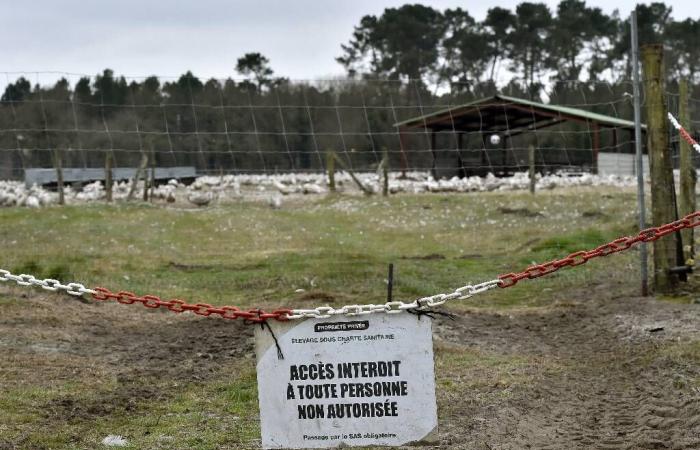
(406, 62)
(532, 45)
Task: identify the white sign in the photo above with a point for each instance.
(351, 381)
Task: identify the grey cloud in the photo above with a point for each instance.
(301, 37)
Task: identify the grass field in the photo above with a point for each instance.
(74, 372)
(250, 254)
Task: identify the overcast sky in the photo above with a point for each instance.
(166, 38)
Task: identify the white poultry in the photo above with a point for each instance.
(311, 188)
(200, 198)
(282, 188)
(275, 202)
(206, 189)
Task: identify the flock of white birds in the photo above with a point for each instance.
(273, 187)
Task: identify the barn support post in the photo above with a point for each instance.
(485, 158)
(462, 171)
(7, 163)
(596, 146)
(663, 207)
(687, 174)
(504, 159)
(433, 167)
(531, 165)
(404, 159)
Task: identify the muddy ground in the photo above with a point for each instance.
(599, 376)
(591, 371)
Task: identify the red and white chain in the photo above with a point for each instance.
(49, 284)
(396, 306)
(249, 315)
(684, 134)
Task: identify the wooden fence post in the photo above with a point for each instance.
(137, 176)
(385, 172)
(152, 181)
(330, 168)
(531, 164)
(58, 164)
(687, 174)
(108, 177)
(663, 208)
(350, 172)
(145, 179)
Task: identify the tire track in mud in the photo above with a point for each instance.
(611, 385)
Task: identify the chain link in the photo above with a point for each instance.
(577, 258)
(393, 307)
(684, 134)
(201, 309)
(49, 284)
(250, 315)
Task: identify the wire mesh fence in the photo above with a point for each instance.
(232, 126)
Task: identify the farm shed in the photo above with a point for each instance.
(459, 138)
(44, 177)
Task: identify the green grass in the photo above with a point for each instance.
(247, 253)
(502, 370)
(219, 414)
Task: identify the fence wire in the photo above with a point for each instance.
(228, 126)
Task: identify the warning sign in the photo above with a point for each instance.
(339, 382)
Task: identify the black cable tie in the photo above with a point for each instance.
(280, 355)
(430, 313)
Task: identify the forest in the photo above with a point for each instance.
(406, 62)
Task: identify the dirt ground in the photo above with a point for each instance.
(605, 379)
(591, 371)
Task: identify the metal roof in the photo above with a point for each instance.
(511, 115)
